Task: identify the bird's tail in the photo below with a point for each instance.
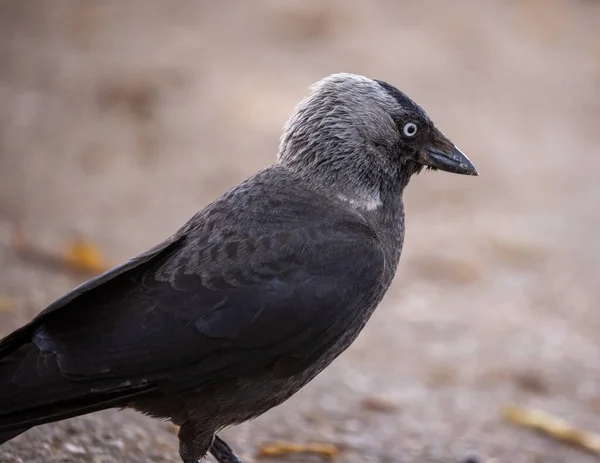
(33, 392)
(6, 436)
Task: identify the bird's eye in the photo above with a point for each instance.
(410, 129)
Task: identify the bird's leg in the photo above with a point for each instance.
(193, 445)
(222, 452)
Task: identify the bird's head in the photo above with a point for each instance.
(367, 133)
(418, 140)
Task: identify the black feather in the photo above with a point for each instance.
(192, 313)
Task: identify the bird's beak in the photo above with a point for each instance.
(443, 155)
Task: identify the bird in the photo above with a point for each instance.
(250, 299)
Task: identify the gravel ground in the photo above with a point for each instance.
(118, 120)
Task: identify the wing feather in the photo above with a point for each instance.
(215, 301)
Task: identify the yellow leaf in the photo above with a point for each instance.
(83, 255)
(278, 449)
(553, 427)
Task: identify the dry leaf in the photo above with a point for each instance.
(7, 304)
(84, 255)
(379, 404)
(79, 255)
(531, 381)
(278, 449)
(553, 427)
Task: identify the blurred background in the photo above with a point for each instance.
(120, 119)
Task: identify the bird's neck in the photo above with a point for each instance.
(356, 174)
(388, 222)
(364, 186)
(378, 200)
(381, 207)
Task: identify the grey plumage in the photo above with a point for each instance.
(250, 299)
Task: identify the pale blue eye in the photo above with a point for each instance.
(410, 129)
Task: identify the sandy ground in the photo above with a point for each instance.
(118, 120)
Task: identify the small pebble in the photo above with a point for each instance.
(73, 448)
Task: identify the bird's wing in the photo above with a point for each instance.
(15, 339)
(195, 313)
(265, 296)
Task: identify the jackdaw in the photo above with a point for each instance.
(254, 296)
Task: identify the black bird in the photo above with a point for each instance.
(254, 296)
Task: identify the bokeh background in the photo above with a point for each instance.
(120, 119)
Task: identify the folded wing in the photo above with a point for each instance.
(187, 314)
